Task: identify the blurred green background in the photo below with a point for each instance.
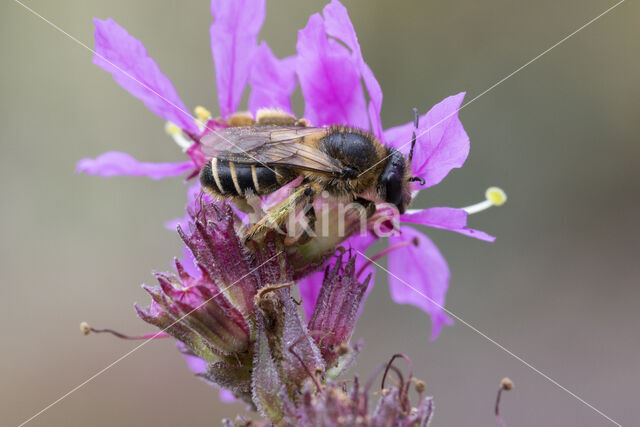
(559, 287)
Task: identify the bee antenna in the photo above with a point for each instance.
(416, 118)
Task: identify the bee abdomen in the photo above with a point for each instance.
(227, 178)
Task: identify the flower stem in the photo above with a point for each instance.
(86, 330)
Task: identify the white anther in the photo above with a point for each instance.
(178, 137)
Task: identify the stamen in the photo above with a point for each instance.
(390, 249)
(171, 129)
(202, 113)
(176, 133)
(420, 386)
(506, 384)
(494, 196)
(86, 330)
(403, 387)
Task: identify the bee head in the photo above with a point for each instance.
(394, 182)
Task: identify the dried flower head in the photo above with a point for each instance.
(238, 316)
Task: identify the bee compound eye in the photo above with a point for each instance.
(394, 191)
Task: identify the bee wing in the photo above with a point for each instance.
(277, 146)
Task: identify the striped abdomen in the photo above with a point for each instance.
(232, 179)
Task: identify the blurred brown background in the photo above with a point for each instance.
(559, 287)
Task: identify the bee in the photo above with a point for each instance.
(348, 163)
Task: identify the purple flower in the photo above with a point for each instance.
(272, 80)
(114, 163)
(126, 59)
(238, 60)
(333, 77)
(442, 144)
(234, 38)
(338, 25)
(236, 322)
(229, 304)
(329, 78)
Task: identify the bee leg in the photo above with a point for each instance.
(242, 205)
(251, 204)
(306, 232)
(285, 211)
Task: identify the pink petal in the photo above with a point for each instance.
(125, 57)
(188, 262)
(226, 396)
(196, 365)
(115, 163)
(281, 194)
(234, 39)
(338, 25)
(309, 289)
(419, 276)
(272, 80)
(330, 79)
(193, 193)
(442, 142)
(446, 218)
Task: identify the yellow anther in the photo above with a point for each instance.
(171, 129)
(496, 196)
(202, 113)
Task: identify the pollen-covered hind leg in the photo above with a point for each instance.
(239, 119)
(274, 117)
(251, 205)
(302, 123)
(302, 231)
(286, 216)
